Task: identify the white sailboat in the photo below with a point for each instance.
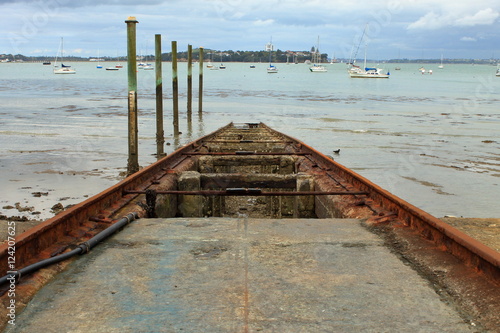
(99, 66)
(64, 68)
(222, 66)
(316, 57)
(441, 65)
(271, 69)
(367, 72)
(210, 65)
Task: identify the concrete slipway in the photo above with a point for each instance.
(240, 275)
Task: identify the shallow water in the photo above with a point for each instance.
(433, 139)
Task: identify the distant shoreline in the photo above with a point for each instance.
(418, 62)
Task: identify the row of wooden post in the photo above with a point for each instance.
(133, 156)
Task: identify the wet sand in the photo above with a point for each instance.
(487, 231)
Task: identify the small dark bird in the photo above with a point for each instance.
(337, 151)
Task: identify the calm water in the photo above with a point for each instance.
(431, 139)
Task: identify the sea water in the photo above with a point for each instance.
(432, 140)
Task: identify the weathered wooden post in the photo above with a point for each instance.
(190, 82)
(160, 137)
(133, 142)
(175, 88)
(200, 87)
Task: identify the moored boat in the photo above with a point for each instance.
(272, 69)
(318, 68)
(368, 72)
(316, 60)
(241, 169)
(65, 69)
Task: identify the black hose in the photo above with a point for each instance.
(81, 249)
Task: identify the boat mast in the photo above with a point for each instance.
(62, 51)
(318, 56)
(270, 50)
(353, 59)
(365, 59)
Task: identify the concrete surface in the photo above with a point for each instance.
(240, 275)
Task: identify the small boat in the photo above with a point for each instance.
(498, 72)
(46, 63)
(241, 181)
(99, 66)
(65, 69)
(368, 72)
(222, 66)
(112, 68)
(271, 69)
(318, 68)
(365, 72)
(252, 66)
(316, 60)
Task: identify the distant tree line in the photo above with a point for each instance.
(213, 55)
(278, 56)
(245, 56)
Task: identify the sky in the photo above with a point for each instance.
(412, 29)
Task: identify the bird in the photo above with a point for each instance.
(337, 151)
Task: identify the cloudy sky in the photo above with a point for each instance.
(411, 29)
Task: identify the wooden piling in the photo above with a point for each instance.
(200, 86)
(175, 89)
(160, 137)
(133, 142)
(190, 82)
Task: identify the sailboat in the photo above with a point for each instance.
(367, 72)
(441, 66)
(222, 66)
(64, 68)
(209, 64)
(316, 57)
(269, 47)
(119, 64)
(397, 68)
(148, 66)
(99, 66)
